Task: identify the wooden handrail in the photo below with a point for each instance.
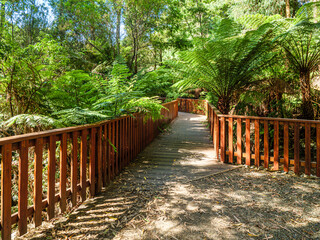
(261, 142)
(103, 149)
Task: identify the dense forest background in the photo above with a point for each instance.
(70, 62)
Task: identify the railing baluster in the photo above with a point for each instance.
(38, 152)
(92, 162)
(318, 150)
(23, 187)
(257, 143)
(276, 146)
(51, 176)
(307, 149)
(99, 160)
(266, 143)
(216, 136)
(297, 148)
(230, 140)
(117, 146)
(248, 147)
(239, 145)
(104, 155)
(63, 173)
(6, 168)
(223, 139)
(83, 164)
(74, 169)
(286, 146)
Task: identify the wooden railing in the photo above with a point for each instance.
(72, 160)
(271, 143)
(192, 105)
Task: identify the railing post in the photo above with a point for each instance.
(223, 139)
(92, 162)
(257, 142)
(63, 172)
(239, 145)
(6, 167)
(216, 135)
(230, 140)
(286, 146)
(276, 146)
(248, 143)
(74, 169)
(83, 164)
(297, 147)
(23, 187)
(266, 143)
(307, 149)
(51, 176)
(37, 199)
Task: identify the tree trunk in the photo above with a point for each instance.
(287, 8)
(306, 107)
(118, 29)
(224, 105)
(2, 17)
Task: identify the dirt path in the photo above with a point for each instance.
(155, 199)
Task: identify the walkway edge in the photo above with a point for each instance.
(213, 174)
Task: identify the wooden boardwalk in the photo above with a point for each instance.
(182, 153)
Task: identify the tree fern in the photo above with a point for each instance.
(228, 65)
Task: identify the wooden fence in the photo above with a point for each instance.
(192, 105)
(272, 143)
(72, 160)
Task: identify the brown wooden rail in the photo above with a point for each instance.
(88, 152)
(272, 143)
(192, 105)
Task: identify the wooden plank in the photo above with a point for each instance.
(266, 144)
(297, 148)
(92, 162)
(276, 146)
(230, 140)
(113, 150)
(216, 136)
(74, 169)
(6, 168)
(51, 176)
(83, 164)
(239, 145)
(248, 143)
(23, 188)
(63, 173)
(99, 160)
(286, 147)
(104, 156)
(308, 149)
(109, 152)
(117, 146)
(38, 152)
(257, 143)
(223, 139)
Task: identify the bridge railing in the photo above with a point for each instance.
(66, 163)
(271, 143)
(198, 106)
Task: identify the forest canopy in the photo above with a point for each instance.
(69, 62)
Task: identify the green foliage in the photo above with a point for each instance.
(227, 66)
(78, 116)
(26, 123)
